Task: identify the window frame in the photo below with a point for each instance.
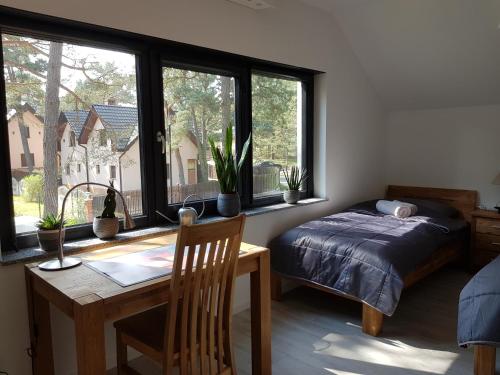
(151, 55)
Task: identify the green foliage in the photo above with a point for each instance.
(274, 119)
(33, 187)
(227, 168)
(295, 177)
(200, 105)
(50, 222)
(109, 204)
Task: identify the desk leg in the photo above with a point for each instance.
(42, 361)
(260, 282)
(89, 333)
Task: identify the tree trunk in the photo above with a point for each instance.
(50, 132)
(225, 86)
(180, 167)
(202, 147)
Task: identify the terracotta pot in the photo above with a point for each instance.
(106, 228)
(228, 205)
(291, 196)
(49, 239)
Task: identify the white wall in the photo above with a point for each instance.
(348, 120)
(450, 148)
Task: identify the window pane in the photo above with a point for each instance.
(197, 106)
(71, 111)
(276, 129)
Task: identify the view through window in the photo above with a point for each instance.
(71, 110)
(276, 129)
(197, 106)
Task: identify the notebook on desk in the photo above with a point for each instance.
(134, 268)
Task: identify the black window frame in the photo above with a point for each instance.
(151, 55)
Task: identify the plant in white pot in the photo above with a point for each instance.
(294, 179)
(48, 232)
(107, 225)
(228, 170)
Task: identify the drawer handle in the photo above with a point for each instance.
(495, 243)
(495, 226)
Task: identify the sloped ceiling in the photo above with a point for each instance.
(422, 54)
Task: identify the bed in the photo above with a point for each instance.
(478, 312)
(369, 257)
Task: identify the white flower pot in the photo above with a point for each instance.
(291, 196)
(106, 228)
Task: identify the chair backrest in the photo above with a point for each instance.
(200, 297)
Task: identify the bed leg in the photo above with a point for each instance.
(372, 320)
(275, 287)
(484, 360)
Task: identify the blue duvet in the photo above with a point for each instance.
(362, 253)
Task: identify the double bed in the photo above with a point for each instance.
(370, 257)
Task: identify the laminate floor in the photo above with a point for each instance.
(317, 333)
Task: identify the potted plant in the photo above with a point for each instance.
(228, 170)
(294, 179)
(107, 225)
(48, 232)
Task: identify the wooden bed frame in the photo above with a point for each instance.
(463, 200)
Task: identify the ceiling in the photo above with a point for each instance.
(422, 54)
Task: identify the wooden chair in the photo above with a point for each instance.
(192, 331)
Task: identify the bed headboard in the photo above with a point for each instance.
(463, 200)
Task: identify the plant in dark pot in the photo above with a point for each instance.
(48, 232)
(228, 170)
(107, 225)
(294, 179)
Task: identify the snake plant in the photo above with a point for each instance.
(226, 166)
(295, 177)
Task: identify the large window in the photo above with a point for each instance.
(198, 106)
(277, 131)
(83, 103)
(61, 92)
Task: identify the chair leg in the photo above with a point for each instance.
(121, 354)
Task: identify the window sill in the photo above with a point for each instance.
(85, 245)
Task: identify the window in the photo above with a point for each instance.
(103, 138)
(112, 172)
(277, 131)
(25, 162)
(198, 106)
(77, 79)
(72, 139)
(118, 94)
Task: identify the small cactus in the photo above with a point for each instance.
(109, 204)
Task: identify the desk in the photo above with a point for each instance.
(91, 299)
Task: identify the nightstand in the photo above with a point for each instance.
(485, 237)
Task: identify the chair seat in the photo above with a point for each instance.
(147, 327)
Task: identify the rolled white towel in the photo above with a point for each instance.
(412, 206)
(394, 208)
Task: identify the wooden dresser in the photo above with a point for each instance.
(485, 237)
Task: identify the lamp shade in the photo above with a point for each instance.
(496, 181)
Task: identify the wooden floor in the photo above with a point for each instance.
(315, 333)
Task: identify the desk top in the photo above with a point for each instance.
(85, 285)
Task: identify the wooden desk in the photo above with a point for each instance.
(91, 299)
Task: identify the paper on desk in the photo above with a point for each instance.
(137, 267)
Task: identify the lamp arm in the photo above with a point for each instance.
(129, 222)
